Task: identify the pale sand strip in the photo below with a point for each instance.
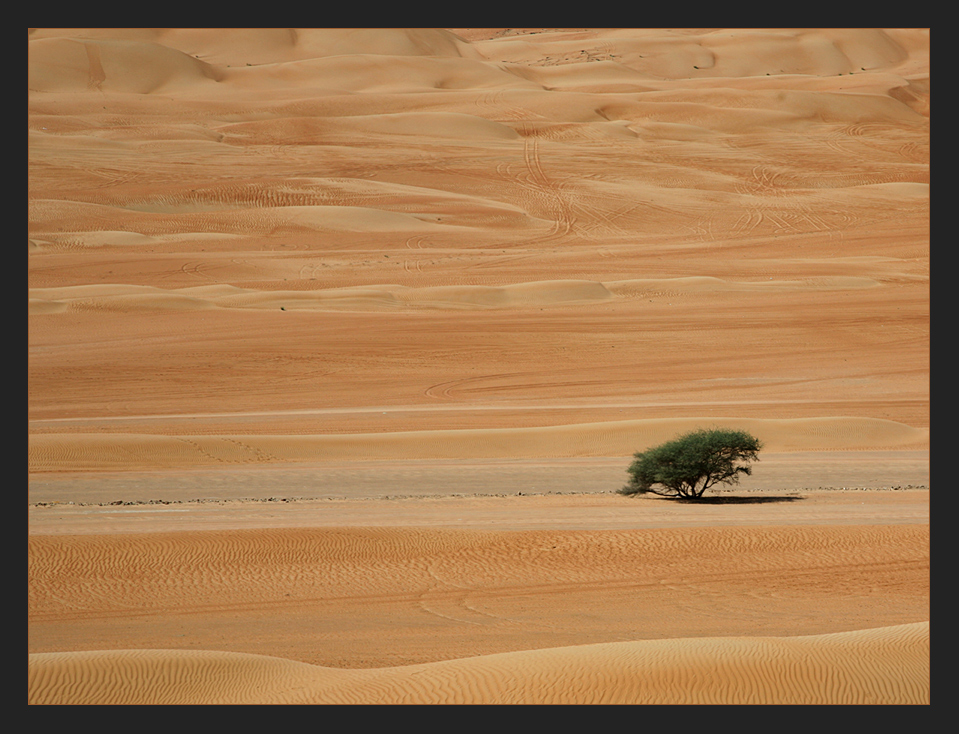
(128, 298)
(522, 511)
(776, 473)
(115, 451)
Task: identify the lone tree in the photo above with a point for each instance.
(689, 465)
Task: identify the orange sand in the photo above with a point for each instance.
(391, 279)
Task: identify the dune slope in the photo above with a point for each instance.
(886, 665)
(390, 217)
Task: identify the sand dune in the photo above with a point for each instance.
(258, 257)
(57, 61)
(112, 65)
(276, 45)
(887, 665)
(383, 74)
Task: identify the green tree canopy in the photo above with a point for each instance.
(689, 465)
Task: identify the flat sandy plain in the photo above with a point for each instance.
(340, 342)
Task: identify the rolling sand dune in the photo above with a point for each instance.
(369, 293)
(885, 665)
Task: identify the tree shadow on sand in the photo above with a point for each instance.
(733, 500)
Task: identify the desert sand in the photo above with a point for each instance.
(341, 340)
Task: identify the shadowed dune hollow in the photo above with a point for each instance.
(341, 340)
